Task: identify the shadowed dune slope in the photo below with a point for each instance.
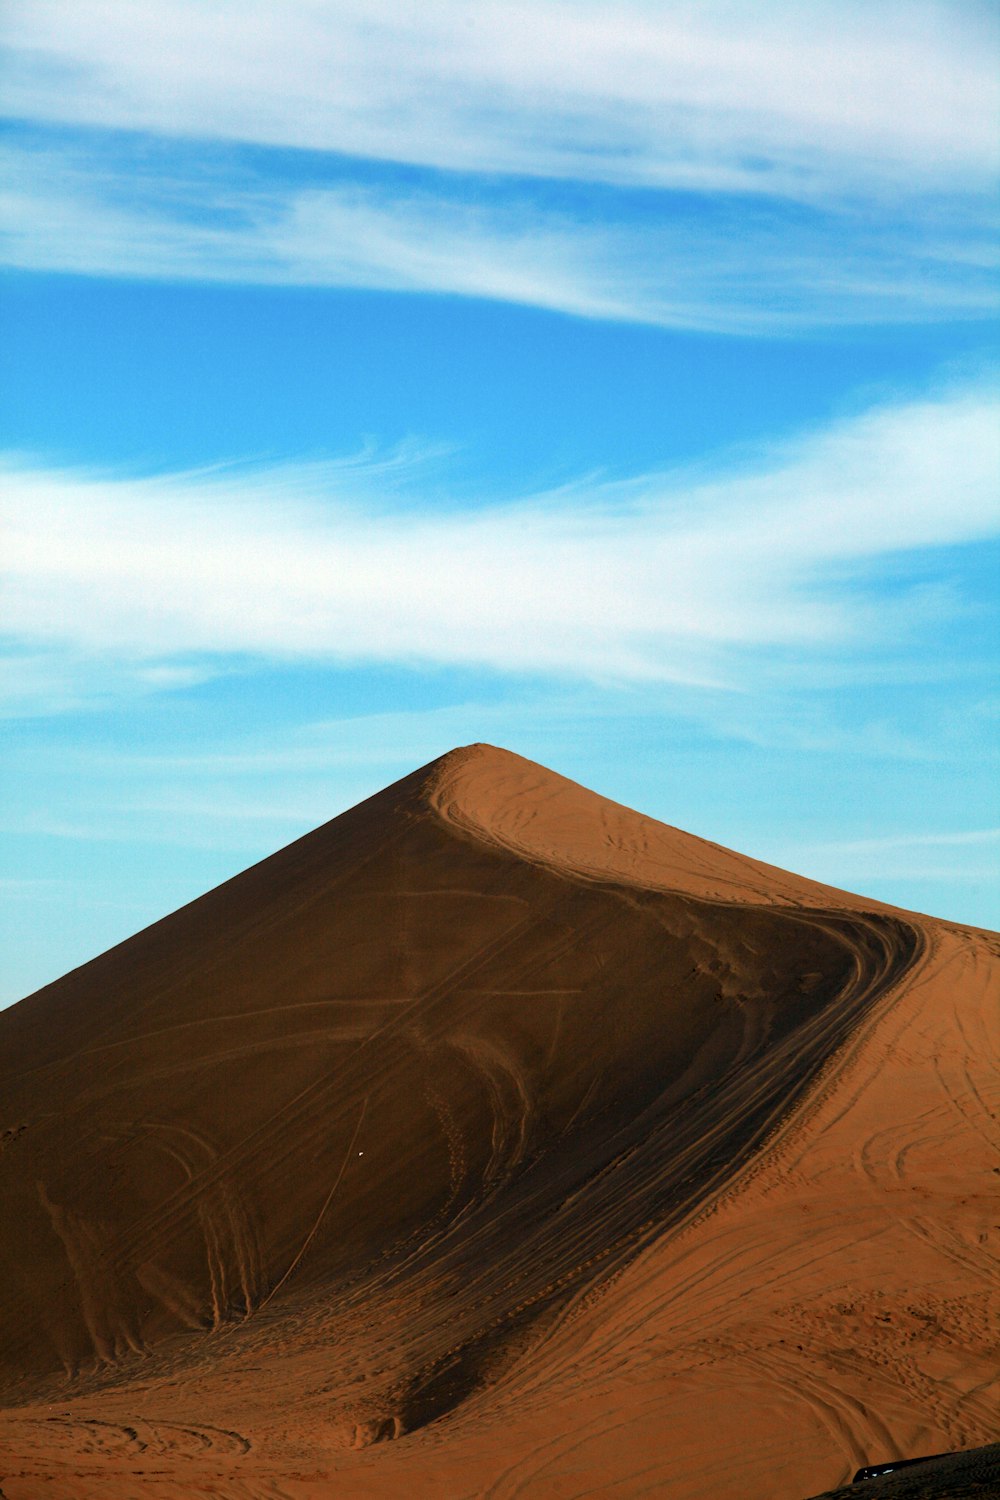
(349, 1148)
(958, 1476)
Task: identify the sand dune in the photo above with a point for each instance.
(494, 1140)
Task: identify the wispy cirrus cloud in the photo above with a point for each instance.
(670, 578)
(785, 99)
(737, 269)
(703, 166)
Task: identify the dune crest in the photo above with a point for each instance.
(494, 1139)
(541, 816)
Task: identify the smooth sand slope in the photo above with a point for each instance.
(494, 1140)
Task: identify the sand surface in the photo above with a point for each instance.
(494, 1140)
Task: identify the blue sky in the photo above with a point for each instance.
(618, 385)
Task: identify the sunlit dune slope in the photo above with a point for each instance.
(398, 1112)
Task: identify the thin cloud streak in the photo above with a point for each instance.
(959, 839)
(743, 268)
(897, 858)
(658, 578)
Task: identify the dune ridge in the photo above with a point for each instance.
(546, 818)
(409, 1117)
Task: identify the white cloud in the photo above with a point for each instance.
(659, 578)
(809, 164)
(109, 212)
(717, 94)
(65, 211)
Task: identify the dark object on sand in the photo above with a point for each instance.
(969, 1474)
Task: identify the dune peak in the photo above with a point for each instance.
(526, 809)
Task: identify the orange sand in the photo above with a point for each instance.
(494, 1140)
